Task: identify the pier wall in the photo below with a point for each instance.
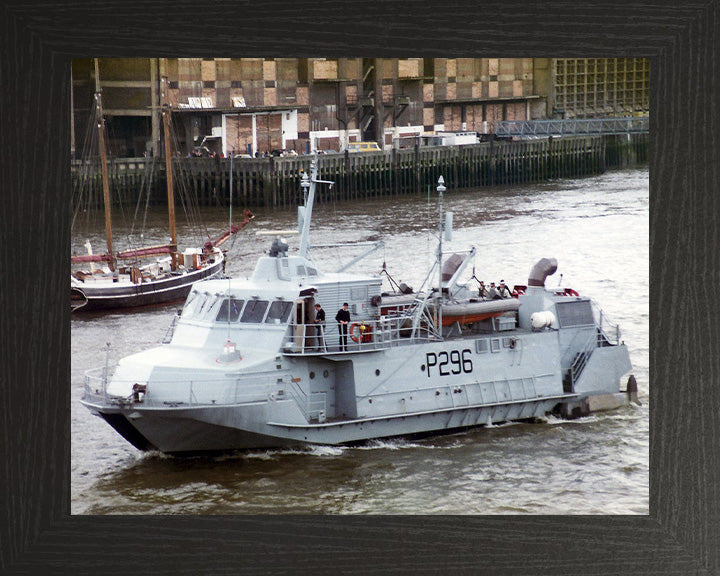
(275, 181)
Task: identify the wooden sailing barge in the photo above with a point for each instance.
(117, 280)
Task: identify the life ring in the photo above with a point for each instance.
(364, 332)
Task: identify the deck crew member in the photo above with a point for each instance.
(482, 290)
(492, 293)
(319, 326)
(343, 319)
(503, 291)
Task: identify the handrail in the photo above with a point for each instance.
(313, 406)
(605, 325)
(171, 330)
(244, 389)
(363, 336)
(583, 356)
(572, 126)
(571, 348)
(311, 409)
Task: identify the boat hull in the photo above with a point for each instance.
(85, 298)
(276, 420)
(209, 429)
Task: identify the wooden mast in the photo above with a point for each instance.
(169, 174)
(103, 165)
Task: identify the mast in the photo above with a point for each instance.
(440, 188)
(168, 171)
(308, 185)
(103, 166)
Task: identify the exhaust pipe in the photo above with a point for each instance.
(544, 268)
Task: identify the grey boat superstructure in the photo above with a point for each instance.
(247, 366)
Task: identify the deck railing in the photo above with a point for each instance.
(609, 330)
(195, 393)
(604, 333)
(313, 405)
(362, 336)
(255, 387)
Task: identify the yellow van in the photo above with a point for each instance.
(363, 147)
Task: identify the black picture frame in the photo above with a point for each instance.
(681, 535)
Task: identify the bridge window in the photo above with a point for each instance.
(229, 310)
(279, 312)
(254, 311)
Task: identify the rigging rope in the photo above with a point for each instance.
(85, 197)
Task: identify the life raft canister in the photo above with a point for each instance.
(364, 332)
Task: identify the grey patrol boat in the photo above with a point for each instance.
(248, 367)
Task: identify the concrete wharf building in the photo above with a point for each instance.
(257, 105)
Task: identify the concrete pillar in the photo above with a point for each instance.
(544, 81)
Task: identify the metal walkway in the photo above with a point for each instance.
(530, 128)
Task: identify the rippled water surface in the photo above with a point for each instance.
(597, 228)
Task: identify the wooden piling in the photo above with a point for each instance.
(274, 182)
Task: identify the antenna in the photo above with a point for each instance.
(229, 300)
(232, 157)
(440, 188)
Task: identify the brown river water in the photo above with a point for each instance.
(597, 228)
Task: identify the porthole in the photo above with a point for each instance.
(377, 372)
(312, 375)
(326, 374)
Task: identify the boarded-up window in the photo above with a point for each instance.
(269, 132)
(325, 69)
(409, 68)
(238, 130)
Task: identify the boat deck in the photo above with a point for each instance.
(313, 340)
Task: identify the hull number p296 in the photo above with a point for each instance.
(449, 363)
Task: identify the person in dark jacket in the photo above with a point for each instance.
(343, 320)
(319, 326)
